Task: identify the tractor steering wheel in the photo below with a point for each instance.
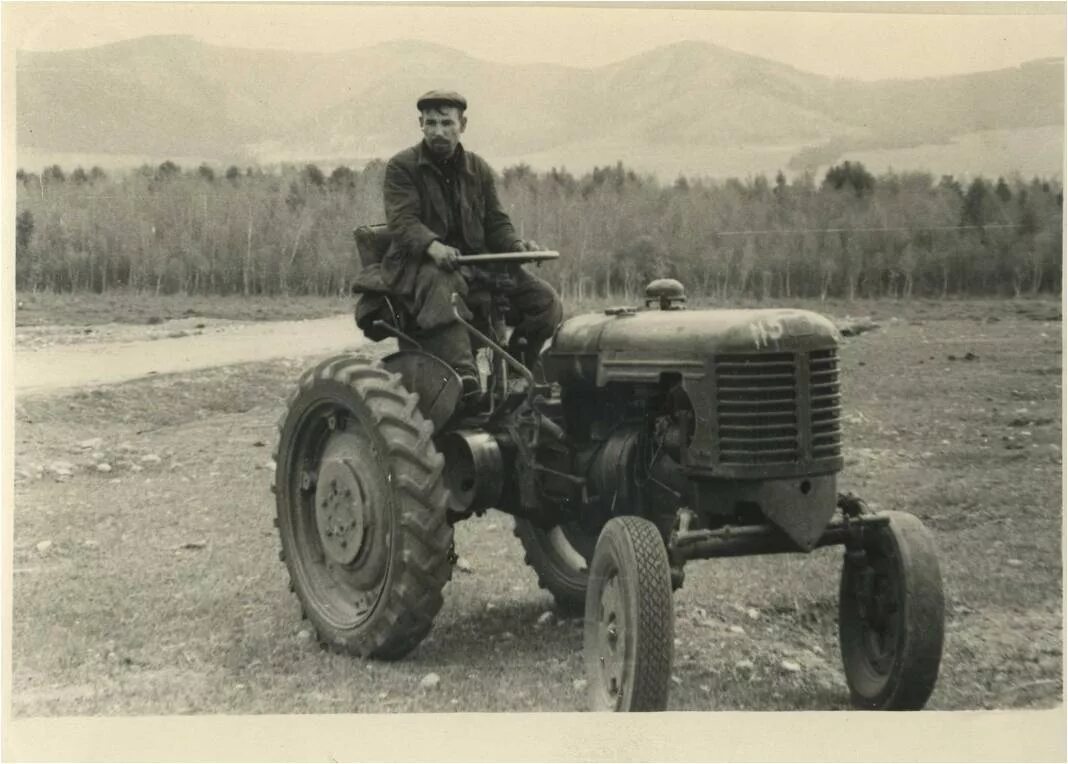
(508, 257)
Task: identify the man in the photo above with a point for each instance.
(441, 202)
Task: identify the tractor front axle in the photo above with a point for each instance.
(738, 541)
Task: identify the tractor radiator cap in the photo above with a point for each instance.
(669, 293)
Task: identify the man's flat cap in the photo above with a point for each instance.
(441, 98)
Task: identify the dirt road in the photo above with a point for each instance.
(66, 365)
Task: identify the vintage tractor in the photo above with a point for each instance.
(647, 438)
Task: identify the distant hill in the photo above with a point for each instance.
(176, 96)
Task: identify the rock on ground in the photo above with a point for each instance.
(851, 327)
(61, 468)
(430, 681)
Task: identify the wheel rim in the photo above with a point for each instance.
(340, 510)
(878, 599)
(611, 641)
(342, 524)
(561, 541)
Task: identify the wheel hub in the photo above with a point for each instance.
(340, 510)
(878, 610)
(611, 641)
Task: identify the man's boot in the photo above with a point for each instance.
(528, 354)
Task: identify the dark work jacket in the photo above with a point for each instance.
(418, 212)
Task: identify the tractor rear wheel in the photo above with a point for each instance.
(891, 617)
(361, 509)
(560, 556)
(630, 622)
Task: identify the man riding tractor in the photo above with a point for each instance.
(656, 437)
(441, 203)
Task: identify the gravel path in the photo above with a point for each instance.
(65, 366)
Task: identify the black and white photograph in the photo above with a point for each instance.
(496, 364)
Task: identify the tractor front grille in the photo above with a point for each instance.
(757, 408)
(776, 409)
(825, 407)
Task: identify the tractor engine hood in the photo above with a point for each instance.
(628, 345)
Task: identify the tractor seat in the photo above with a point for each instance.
(372, 243)
(375, 303)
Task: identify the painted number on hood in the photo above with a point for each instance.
(765, 331)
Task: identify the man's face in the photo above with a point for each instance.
(442, 127)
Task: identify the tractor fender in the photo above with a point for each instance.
(435, 383)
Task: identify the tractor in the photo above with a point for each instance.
(644, 438)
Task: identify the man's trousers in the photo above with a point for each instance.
(534, 312)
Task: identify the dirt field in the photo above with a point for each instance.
(153, 586)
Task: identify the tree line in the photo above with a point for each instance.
(288, 230)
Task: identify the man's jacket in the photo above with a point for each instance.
(418, 212)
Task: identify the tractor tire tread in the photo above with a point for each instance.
(422, 537)
(570, 597)
(655, 616)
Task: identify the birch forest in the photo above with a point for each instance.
(847, 234)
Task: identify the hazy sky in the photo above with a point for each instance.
(848, 44)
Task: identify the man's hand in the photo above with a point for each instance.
(443, 255)
(529, 245)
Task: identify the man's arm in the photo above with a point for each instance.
(403, 208)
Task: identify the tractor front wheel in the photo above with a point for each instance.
(891, 617)
(630, 626)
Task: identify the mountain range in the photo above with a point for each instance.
(701, 105)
